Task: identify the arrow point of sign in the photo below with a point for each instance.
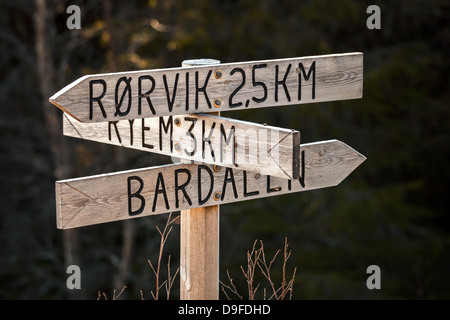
(351, 157)
(61, 97)
(329, 162)
(55, 103)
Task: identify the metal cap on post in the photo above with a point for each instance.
(199, 62)
(199, 241)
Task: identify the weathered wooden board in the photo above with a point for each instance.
(222, 87)
(136, 193)
(202, 138)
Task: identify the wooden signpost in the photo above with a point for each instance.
(224, 160)
(199, 239)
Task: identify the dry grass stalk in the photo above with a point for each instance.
(257, 258)
(231, 287)
(169, 282)
(115, 297)
(170, 279)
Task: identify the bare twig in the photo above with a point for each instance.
(231, 287)
(284, 288)
(170, 280)
(255, 258)
(265, 269)
(252, 260)
(121, 291)
(115, 297)
(168, 283)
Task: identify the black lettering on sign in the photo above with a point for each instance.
(165, 127)
(230, 100)
(259, 83)
(96, 99)
(200, 183)
(187, 91)
(269, 188)
(302, 72)
(145, 95)
(182, 187)
(227, 141)
(160, 188)
(190, 134)
(228, 180)
(122, 97)
(136, 194)
(143, 129)
(301, 179)
(114, 123)
(170, 101)
(131, 122)
(246, 193)
(202, 89)
(282, 82)
(208, 139)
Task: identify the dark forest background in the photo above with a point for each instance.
(392, 211)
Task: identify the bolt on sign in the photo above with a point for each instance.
(203, 89)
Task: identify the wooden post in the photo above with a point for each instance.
(199, 252)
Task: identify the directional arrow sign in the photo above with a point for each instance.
(203, 138)
(222, 87)
(155, 190)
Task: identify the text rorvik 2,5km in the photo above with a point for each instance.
(222, 87)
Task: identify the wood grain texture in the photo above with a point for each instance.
(203, 89)
(137, 193)
(199, 236)
(202, 138)
(199, 254)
